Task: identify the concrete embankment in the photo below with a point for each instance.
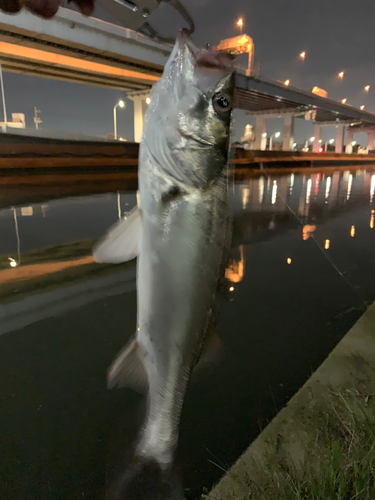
(316, 441)
(37, 156)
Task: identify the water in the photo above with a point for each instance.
(301, 273)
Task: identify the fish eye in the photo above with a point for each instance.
(222, 103)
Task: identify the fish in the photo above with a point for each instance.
(180, 233)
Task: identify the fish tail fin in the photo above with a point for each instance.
(128, 370)
(147, 474)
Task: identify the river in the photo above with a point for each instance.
(302, 271)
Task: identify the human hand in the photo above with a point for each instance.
(44, 8)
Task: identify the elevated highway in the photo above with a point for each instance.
(266, 98)
(90, 51)
(74, 48)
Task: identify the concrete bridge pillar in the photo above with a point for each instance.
(349, 140)
(317, 133)
(260, 133)
(140, 107)
(340, 138)
(370, 141)
(288, 133)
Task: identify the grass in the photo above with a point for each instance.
(340, 463)
(326, 452)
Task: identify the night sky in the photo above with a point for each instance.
(337, 35)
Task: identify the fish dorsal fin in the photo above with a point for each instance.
(122, 241)
(128, 369)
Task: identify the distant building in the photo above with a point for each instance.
(248, 139)
(18, 121)
(277, 146)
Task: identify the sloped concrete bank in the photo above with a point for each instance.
(320, 434)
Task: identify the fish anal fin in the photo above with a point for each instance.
(128, 369)
(122, 241)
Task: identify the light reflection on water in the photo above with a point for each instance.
(73, 219)
(300, 273)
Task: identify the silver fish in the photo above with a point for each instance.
(179, 232)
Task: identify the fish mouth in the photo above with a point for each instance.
(205, 58)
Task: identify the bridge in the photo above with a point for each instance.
(87, 50)
(265, 98)
(74, 48)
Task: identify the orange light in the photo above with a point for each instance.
(327, 244)
(288, 260)
(287, 82)
(240, 22)
(343, 101)
(37, 270)
(372, 221)
(341, 75)
(352, 231)
(61, 61)
(362, 107)
(302, 55)
(231, 288)
(367, 88)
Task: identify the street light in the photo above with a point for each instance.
(3, 96)
(277, 134)
(344, 101)
(287, 82)
(302, 73)
(367, 88)
(341, 75)
(312, 139)
(121, 104)
(240, 24)
(362, 107)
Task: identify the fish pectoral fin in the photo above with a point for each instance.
(122, 241)
(128, 369)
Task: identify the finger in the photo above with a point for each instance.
(44, 8)
(86, 7)
(10, 6)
